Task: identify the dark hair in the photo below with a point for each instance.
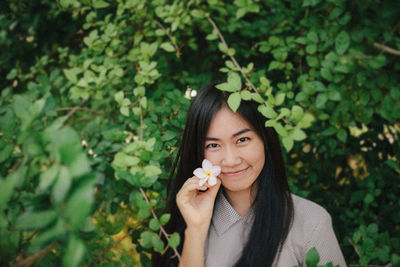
(273, 207)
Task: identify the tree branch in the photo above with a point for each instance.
(161, 228)
(221, 37)
(387, 49)
(31, 259)
(80, 108)
(178, 52)
(74, 109)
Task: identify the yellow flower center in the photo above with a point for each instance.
(208, 174)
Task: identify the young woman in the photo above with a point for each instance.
(249, 217)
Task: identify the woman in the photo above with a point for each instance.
(249, 217)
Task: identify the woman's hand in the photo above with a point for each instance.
(195, 206)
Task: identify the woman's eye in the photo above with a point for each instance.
(213, 145)
(242, 140)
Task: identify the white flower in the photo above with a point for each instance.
(207, 173)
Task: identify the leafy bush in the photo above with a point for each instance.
(93, 102)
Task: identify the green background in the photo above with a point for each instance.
(93, 105)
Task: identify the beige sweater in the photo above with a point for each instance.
(312, 227)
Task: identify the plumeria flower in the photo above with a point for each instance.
(208, 173)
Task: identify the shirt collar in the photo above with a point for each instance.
(225, 216)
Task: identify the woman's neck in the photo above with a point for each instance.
(240, 201)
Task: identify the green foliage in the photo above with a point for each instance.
(93, 102)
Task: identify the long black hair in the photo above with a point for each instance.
(273, 206)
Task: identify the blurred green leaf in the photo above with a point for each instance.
(234, 101)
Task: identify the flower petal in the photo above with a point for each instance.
(199, 172)
(215, 170)
(202, 181)
(207, 165)
(212, 181)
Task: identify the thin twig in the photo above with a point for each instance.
(387, 49)
(178, 51)
(161, 228)
(74, 109)
(221, 37)
(141, 122)
(354, 246)
(31, 259)
(98, 258)
(80, 108)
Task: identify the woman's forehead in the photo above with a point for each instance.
(227, 123)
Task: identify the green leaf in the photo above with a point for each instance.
(122, 160)
(197, 14)
(326, 74)
(50, 234)
(296, 113)
(312, 37)
(62, 185)
(100, 4)
(139, 91)
(298, 134)
(168, 135)
(174, 240)
(234, 101)
(275, 65)
(154, 224)
(124, 111)
(151, 170)
(306, 121)
(35, 220)
(342, 135)
(267, 111)
(79, 166)
(280, 97)
(164, 219)
(245, 95)
(225, 87)
(312, 61)
(287, 143)
(257, 97)
(167, 46)
(312, 258)
(74, 252)
(146, 239)
(234, 81)
(280, 129)
(72, 74)
(119, 97)
(342, 42)
(321, 100)
(48, 177)
(241, 12)
(80, 203)
(157, 243)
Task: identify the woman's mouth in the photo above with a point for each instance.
(234, 173)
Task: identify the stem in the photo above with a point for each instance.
(354, 246)
(387, 49)
(80, 108)
(31, 259)
(74, 109)
(141, 121)
(161, 228)
(178, 52)
(221, 37)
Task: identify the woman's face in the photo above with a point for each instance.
(232, 143)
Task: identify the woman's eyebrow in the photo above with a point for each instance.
(241, 132)
(208, 138)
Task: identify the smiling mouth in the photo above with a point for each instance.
(235, 172)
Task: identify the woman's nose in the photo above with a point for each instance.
(231, 157)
